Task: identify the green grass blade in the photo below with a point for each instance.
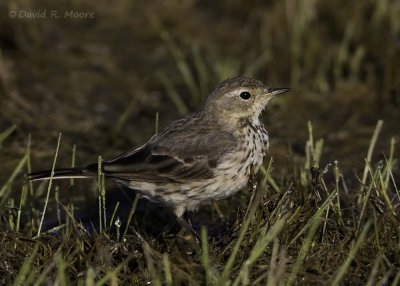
(167, 270)
(132, 211)
(61, 273)
(26, 267)
(6, 133)
(150, 265)
(245, 225)
(344, 268)
(205, 259)
(258, 250)
(172, 93)
(315, 217)
(314, 223)
(5, 190)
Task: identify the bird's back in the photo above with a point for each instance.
(175, 160)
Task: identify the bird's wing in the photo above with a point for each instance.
(188, 150)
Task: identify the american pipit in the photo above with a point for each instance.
(208, 155)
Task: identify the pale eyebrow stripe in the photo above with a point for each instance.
(235, 92)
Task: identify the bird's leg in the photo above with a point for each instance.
(184, 221)
(252, 183)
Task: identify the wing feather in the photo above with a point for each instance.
(188, 150)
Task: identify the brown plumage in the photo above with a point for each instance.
(205, 156)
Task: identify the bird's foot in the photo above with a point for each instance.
(185, 223)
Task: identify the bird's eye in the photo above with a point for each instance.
(245, 95)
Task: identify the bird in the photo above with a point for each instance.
(207, 155)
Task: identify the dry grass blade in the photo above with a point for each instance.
(371, 148)
(49, 186)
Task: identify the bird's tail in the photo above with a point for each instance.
(65, 173)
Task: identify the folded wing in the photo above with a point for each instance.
(188, 150)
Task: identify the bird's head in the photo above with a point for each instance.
(240, 98)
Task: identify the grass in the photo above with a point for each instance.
(49, 187)
(325, 210)
(289, 229)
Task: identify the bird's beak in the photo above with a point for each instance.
(275, 91)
